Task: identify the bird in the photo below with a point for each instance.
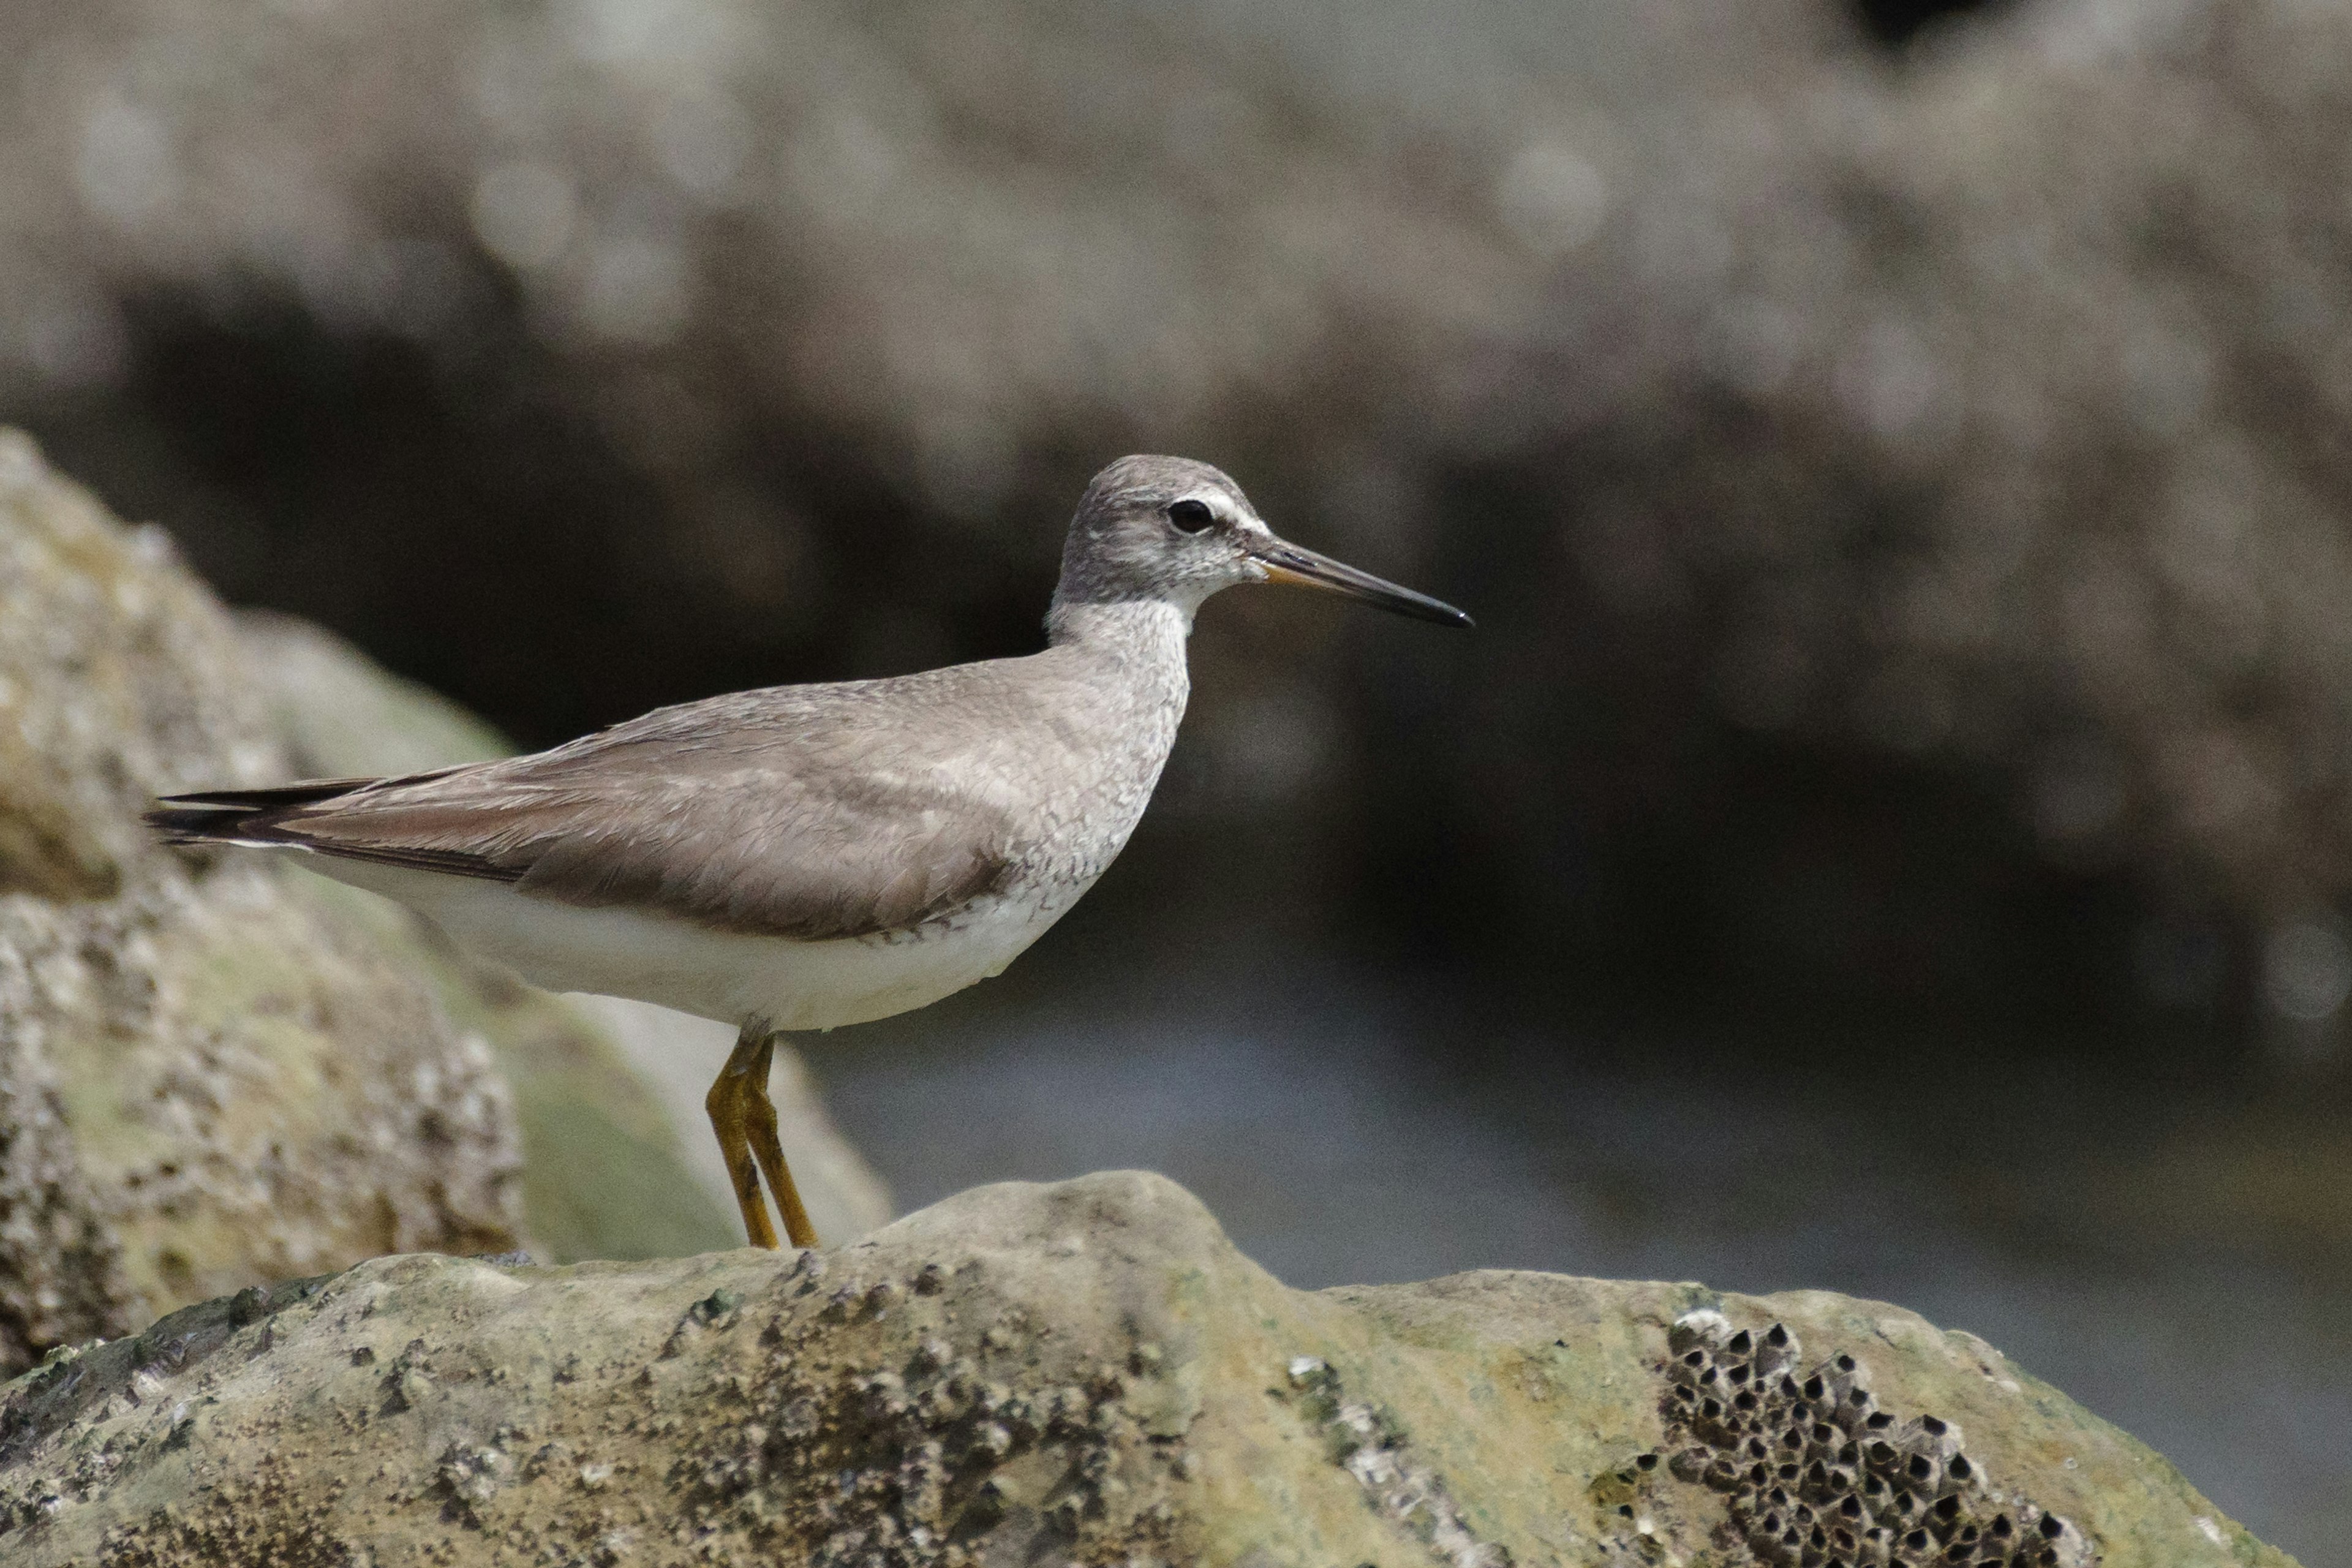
(806, 856)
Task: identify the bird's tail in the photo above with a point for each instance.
(250, 816)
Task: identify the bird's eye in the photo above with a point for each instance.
(1190, 516)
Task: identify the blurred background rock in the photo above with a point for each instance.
(1895, 451)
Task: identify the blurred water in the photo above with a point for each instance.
(2140, 1242)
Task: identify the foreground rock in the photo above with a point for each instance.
(1080, 1373)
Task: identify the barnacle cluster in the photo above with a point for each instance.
(866, 1454)
(1815, 1472)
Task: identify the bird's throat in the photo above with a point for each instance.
(1151, 629)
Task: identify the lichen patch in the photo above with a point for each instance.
(1363, 1440)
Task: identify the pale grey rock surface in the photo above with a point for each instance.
(1079, 1372)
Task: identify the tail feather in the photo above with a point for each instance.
(242, 815)
(258, 816)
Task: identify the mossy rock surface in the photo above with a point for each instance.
(207, 1081)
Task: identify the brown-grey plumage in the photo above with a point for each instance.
(809, 811)
(806, 855)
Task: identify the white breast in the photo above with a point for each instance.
(726, 975)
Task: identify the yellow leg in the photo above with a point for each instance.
(726, 1104)
(760, 1122)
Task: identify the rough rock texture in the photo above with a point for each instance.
(1083, 1373)
(208, 1080)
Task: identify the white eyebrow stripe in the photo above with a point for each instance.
(1224, 509)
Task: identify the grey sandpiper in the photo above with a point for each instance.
(805, 857)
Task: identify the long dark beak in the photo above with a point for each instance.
(1287, 563)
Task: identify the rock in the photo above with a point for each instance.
(609, 1093)
(1086, 1372)
(118, 678)
(210, 1082)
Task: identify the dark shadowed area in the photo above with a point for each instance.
(1890, 828)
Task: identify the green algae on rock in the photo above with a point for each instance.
(1080, 1373)
(209, 1084)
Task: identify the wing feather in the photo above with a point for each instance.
(765, 812)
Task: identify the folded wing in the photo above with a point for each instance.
(785, 823)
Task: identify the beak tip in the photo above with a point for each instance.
(1278, 561)
(1441, 613)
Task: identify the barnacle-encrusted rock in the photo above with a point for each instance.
(1083, 1373)
(208, 1082)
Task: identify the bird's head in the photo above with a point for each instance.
(1175, 531)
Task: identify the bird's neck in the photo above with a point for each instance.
(1143, 638)
(1139, 628)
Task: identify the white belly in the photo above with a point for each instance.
(726, 975)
